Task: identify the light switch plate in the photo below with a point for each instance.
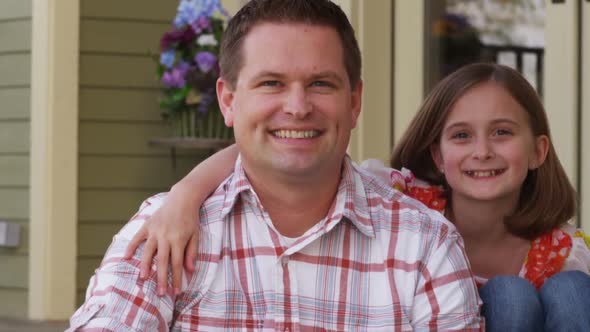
(9, 234)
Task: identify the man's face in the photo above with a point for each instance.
(292, 108)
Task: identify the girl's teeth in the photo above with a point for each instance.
(483, 174)
(295, 133)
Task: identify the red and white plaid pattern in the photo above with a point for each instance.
(379, 261)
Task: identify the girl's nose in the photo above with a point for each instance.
(483, 150)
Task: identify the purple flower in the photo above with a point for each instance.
(201, 24)
(167, 58)
(185, 36)
(190, 11)
(176, 78)
(205, 61)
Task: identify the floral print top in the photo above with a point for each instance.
(565, 248)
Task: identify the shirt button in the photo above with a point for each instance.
(285, 260)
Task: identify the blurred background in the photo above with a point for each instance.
(85, 137)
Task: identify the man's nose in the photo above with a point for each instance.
(297, 103)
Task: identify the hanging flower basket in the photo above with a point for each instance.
(192, 123)
(188, 69)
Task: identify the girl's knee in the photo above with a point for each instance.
(511, 295)
(566, 290)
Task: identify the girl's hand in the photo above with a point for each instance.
(171, 232)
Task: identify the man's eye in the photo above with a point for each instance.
(270, 83)
(322, 84)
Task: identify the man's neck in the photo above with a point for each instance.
(295, 204)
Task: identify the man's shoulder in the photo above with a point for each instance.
(147, 208)
(391, 209)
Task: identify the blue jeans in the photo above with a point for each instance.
(511, 303)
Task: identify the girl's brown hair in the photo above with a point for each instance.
(547, 199)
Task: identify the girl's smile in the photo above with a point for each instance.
(487, 145)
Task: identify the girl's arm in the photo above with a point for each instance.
(173, 230)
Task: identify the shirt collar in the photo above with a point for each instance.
(351, 202)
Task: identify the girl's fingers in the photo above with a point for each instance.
(162, 268)
(191, 252)
(145, 266)
(177, 254)
(137, 239)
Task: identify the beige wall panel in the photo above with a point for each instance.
(409, 63)
(129, 9)
(16, 104)
(560, 82)
(129, 138)
(119, 105)
(122, 205)
(23, 249)
(95, 239)
(132, 37)
(85, 270)
(14, 203)
(14, 302)
(10, 9)
(373, 132)
(15, 69)
(15, 36)
(117, 71)
(130, 172)
(585, 132)
(15, 137)
(17, 268)
(14, 171)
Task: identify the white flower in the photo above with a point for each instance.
(207, 40)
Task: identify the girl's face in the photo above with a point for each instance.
(487, 146)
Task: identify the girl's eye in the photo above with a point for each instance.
(502, 132)
(460, 135)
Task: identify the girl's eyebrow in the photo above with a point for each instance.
(493, 122)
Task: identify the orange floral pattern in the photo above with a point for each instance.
(430, 196)
(546, 256)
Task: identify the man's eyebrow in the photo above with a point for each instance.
(327, 74)
(267, 74)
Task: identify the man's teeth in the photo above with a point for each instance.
(295, 133)
(483, 174)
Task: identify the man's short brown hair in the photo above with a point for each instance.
(313, 12)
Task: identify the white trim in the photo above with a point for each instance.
(372, 136)
(561, 81)
(585, 139)
(409, 63)
(54, 144)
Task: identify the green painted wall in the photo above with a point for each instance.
(119, 113)
(15, 72)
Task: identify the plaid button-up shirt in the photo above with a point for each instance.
(379, 261)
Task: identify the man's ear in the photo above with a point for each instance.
(225, 97)
(356, 102)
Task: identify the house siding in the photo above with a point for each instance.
(15, 72)
(119, 113)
